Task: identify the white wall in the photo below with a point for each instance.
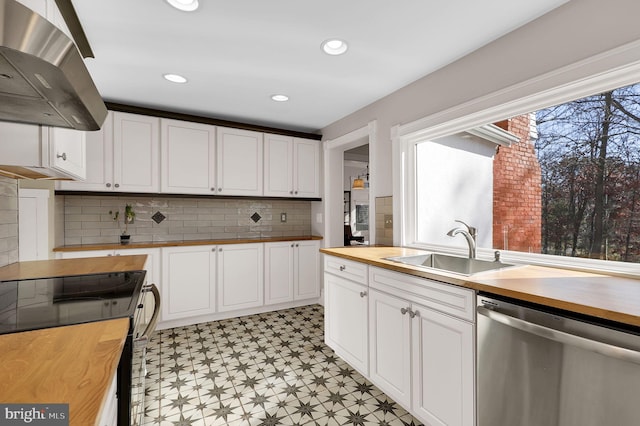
(572, 33)
(454, 181)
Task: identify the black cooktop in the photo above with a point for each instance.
(57, 301)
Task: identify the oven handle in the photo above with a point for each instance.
(156, 311)
(561, 336)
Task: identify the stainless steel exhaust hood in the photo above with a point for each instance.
(43, 79)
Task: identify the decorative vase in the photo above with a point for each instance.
(125, 239)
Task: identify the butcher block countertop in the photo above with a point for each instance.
(73, 364)
(180, 243)
(63, 267)
(598, 295)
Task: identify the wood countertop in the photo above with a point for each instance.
(598, 295)
(159, 244)
(65, 267)
(73, 364)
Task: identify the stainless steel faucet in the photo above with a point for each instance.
(469, 234)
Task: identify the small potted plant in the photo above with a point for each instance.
(128, 218)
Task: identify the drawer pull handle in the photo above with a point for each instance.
(363, 293)
(342, 267)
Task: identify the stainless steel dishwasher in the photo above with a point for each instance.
(539, 368)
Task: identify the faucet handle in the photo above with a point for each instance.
(472, 230)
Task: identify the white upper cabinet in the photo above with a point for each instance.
(135, 152)
(239, 162)
(67, 150)
(306, 168)
(188, 157)
(99, 154)
(54, 152)
(122, 156)
(291, 167)
(278, 166)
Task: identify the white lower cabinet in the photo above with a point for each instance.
(390, 346)
(420, 353)
(443, 368)
(346, 320)
(240, 276)
(188, 284)
(412, 337)
(291, 271)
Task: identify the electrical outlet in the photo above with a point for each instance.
(283, 217)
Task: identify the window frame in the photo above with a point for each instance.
(478, 113)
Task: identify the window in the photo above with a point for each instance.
(561, 181)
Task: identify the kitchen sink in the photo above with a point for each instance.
(447, 263)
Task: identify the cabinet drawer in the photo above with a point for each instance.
(354, 271)
(447, 298)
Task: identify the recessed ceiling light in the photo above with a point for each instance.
(280, 98)
(186, 5)
(334, 46)
(175, 78)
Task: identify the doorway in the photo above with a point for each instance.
(356, 195)
(336, 158)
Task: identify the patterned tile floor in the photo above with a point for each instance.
(267, 369)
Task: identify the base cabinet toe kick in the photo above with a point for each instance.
(412, 337)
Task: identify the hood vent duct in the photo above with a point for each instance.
(43, 79)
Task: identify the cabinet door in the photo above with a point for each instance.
(239, 161)
(67, 151)
(136, 153)
(306, 269)
(306, 168)
(99, 150)
(188, 153)
(278, 166)
(346, 321)
(443, 368)
(390, 346)
(278, 272)
(240, 276)
(188, 281)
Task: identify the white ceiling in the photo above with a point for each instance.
(237, 53)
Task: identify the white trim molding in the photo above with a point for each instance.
(616, 68)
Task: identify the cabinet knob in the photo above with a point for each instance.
(404, 311)
(108, 185)
(363, 293)
(219, 189)
(291, 192)
(213, 189)
(63, 156)
(291, 245)
(413, 314)
(213, 249)
(297, 245)
(295, 192)
(117, 185)
(220, 249)
(342, 267)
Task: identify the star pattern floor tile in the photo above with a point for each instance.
(261, 370)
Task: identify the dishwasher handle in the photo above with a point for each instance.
(561, 336)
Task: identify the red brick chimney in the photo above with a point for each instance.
(517, 200)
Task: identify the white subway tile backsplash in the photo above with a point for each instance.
(186, 218)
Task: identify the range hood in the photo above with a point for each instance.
(43, 79)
